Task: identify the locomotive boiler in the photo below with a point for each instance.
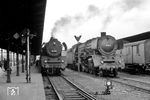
(98, 55)
(51, 58)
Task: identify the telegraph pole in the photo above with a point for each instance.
(78, 38)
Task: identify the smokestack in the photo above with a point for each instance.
(103, 34)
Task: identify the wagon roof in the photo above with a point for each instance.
(138, 37)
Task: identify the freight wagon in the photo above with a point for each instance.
(136, 55)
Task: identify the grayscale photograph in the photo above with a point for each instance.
(75, 50)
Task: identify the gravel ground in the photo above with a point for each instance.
(95, 86)
(142, 78)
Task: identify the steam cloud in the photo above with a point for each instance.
(106, 15)
(74, 21)
(60, 23)
(121, 18)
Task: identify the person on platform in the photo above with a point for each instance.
(6, 67)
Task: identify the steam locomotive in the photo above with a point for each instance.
(96, 56)
(51, 59)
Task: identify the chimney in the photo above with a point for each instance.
(103, 34)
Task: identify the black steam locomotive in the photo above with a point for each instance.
(51, 59)
(96, 56)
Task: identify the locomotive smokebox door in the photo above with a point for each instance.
(107, 45)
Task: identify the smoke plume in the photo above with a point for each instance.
(106, 16)
(68, 22)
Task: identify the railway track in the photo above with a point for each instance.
(137, 85)
(136, 81)
(66, 90)
(137, 78)
(50, 94)
(132, 83)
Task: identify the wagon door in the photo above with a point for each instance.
(128, 55)
(138, 53)
(147, 51)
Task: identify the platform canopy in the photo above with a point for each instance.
(18, 15)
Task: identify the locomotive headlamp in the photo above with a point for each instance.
(102, 62)
(120, 61)
(45, 61)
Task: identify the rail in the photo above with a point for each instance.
(67, 90)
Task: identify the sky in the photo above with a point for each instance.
(88, 18)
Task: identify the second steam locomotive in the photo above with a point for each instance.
(51, 58)
(97, 56)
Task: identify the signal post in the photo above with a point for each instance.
(78, 38)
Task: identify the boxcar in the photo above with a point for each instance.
(136, 55)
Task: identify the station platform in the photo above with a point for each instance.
(19, 89)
